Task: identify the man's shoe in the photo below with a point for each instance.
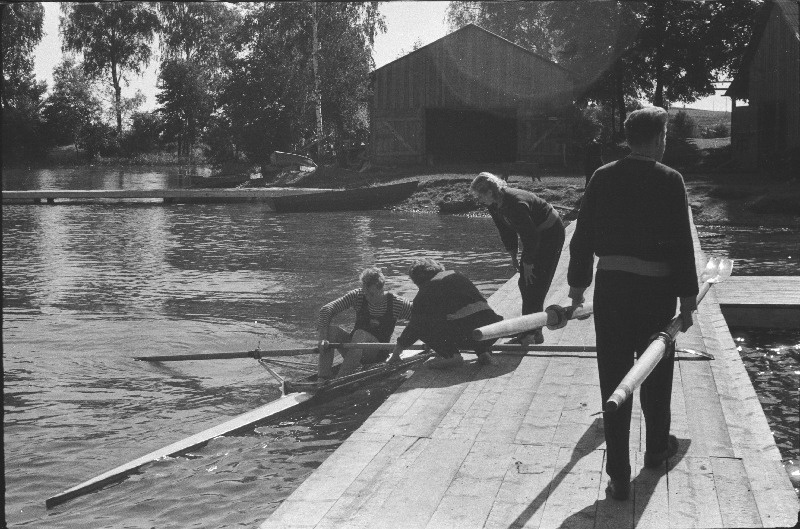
(486, 359)
(618, 489)
(655, 460)
(529, 338)
(534, 338)
(445, 363)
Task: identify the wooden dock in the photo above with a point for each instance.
(771, 302)
(521, 445)
(176, 196)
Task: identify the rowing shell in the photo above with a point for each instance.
(297, 395)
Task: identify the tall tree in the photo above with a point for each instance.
(21, 93)
(345, 63)
(185, 100)
(194, 47)
(114, 38)
(72, 103)
(268, 98)
(196, 30)
(315, 72)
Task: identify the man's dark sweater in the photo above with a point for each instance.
(448, 293)
(520, 212)
(635, 207)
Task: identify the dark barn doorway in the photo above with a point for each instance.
(466, 135)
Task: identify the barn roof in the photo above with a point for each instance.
(788, 9)
(473, 27)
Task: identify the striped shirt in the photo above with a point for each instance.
(354, 299)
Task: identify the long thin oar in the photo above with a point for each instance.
(717, 270)
(256, 353)
(378, 346)
(553, 316)
(368, 346)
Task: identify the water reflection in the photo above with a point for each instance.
(757, 250)
(101, 177)
(772, 359)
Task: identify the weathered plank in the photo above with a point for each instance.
(649, 489)
(737, 504)
(575, 488)
(759, 291)
(363, 498)
(526, 485)
(470, 496)
(422, 485)
(692, 494)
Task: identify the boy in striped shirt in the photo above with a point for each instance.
(377, 313)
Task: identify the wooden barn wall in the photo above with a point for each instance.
(467, 69)
(743, 135)
(774, 80)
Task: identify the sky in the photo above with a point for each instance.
(407, 23)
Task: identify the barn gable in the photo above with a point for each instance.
(766, 130)
(469, 96)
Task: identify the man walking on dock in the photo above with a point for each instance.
(635, 218)
(445, 311)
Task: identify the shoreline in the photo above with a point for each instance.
(716, 198)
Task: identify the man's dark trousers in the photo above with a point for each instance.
(545, 261)
(628, 310)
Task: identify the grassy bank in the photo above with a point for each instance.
(715, 197)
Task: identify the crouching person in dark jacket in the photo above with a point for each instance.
(447, 308)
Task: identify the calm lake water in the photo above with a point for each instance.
(87, 287)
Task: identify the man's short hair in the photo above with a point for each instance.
(372, 276)
(422, 270)
(644, 125)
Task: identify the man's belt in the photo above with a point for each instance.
(468, 310)
(549, 222)
(634, 265)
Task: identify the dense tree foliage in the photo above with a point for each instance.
(72, 103)
(194, 49)
(268, 96)
(185, 100)
(665, 51)
(114, 37)
(21, 93)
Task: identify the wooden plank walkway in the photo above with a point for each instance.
(521, 445)
(761, 301)
(167, 195)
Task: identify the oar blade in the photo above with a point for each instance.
(724, 270)
(710, 271)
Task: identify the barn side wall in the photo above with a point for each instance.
(771, 124)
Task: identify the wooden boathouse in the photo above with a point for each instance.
(469, 96)
(766, 131)
(521, 444)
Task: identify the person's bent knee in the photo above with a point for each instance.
(362, 336)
